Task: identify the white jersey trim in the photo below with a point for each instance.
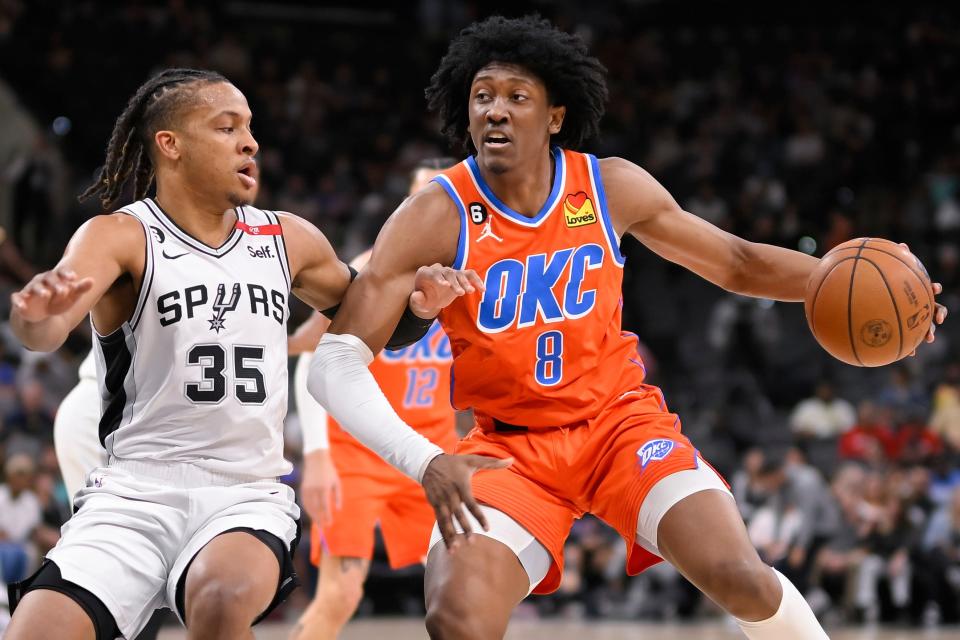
(174, 229)
(278, 243)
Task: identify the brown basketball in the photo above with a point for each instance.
(869, 302)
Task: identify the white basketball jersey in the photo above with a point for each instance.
(199, 372)
(88, 368)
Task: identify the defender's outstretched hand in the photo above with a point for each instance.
(446, 482)
(49, 294)
(437, 286)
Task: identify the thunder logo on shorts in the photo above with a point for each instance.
(542, 345)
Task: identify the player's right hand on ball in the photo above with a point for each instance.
(320, 490)
(446, 482)
(49, 294)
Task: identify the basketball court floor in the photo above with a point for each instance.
(412, 629)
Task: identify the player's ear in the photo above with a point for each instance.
(556, 119)
(168, 144)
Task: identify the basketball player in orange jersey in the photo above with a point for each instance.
(555, 385)
(346, 510)
(188, 298)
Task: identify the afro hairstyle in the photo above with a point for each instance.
(573, 78)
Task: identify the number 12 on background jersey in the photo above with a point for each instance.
(421, 385)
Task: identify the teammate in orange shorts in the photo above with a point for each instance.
(556, 386)
(346, 488)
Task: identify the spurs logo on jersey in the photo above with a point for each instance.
(220, 307)
(188, 302)
(199, 371)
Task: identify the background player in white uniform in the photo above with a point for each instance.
(188, 299)
(75, 430)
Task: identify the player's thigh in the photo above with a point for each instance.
(472, 592)
(216, 578)
(49, 615)
(505, 558)
(724, 564)
(117, 548)
(259, 516)
(668, 492)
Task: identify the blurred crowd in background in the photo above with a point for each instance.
(803, 129)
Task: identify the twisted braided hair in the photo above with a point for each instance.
(151, 109)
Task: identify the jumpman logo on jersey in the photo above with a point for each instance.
(221, 307)
(488, 232)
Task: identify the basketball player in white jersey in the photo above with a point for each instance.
(188, 298)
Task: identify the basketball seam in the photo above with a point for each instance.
(919, 275)
(896, 309)
(853, 273)
(816, 294)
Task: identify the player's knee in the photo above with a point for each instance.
(216, 601)
(746, 588)
(449, 618)
(344, 594)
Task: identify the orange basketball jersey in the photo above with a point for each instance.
(542, 346)
(416, 381)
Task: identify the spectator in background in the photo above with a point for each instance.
(944, 479)
(775, 526)
(903, 395)
(945, 419)
(29, 426)
(817, 424)
(837, 561)
(915, 442)
(888, 538)
(19, 516)
(822, 416)
(871, 439)
(938, 563)
(746, 484)
(53, 513)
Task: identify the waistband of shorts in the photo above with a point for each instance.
(182, 474)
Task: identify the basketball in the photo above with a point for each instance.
(869, 302)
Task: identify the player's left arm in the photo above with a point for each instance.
(320, 278)
(642, 207)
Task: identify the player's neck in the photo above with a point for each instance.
(208, 223)
(524, 188)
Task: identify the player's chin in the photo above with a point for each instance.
(497, 166)
(239, 199)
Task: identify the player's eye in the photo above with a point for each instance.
(226, 129)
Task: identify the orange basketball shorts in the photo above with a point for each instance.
(374, 492)
(604, 466)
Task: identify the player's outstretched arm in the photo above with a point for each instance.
(54, 302)
(639, 205)
(423, 231)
